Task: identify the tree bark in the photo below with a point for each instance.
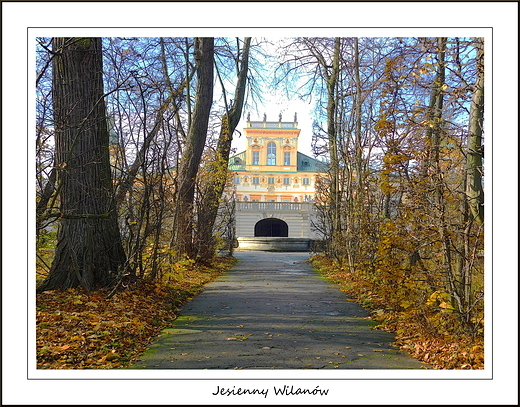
(434, 113)
(41, 206)
(331, 72)
(183, 233)
(474, 189)
(89, 250)
(358, 106)
(335, 196)
(218, 169)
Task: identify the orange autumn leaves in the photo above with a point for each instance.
(430, 335)
(78, 331)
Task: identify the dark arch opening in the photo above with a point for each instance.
(271, 227)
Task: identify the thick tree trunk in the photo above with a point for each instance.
(183, 234)
(218, 169)
(89, 250)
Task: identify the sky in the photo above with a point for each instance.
(276, 101)
(272, 109)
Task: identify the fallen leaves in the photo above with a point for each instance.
(438, 345)
(77, 331)
(442, 351)
(239, 338)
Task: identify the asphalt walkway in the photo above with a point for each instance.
(273, 311)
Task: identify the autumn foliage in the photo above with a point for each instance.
(79, 331)
(401, 210)
(407, 226)
(429, 330)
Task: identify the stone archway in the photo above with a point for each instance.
(271, 227)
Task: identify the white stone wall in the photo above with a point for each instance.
(297, 216)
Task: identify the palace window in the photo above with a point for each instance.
(256, 158)
(271, 153)
(256, 180)
(270, 180)
(306, 181)
(286, 158)
(237, 180)
(286, 181)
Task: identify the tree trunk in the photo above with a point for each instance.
(89, 250)
(218, 170)
(358, 105)
(47, 193)
(474, 189)
(335, 196)
(197, 133)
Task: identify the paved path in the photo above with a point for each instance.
(273, 311)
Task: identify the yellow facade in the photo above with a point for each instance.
(271, 169)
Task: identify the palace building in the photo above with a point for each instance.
(274, 183)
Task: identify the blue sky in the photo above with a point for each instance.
(287, 108)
